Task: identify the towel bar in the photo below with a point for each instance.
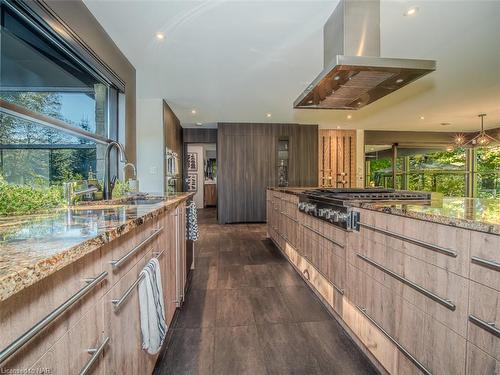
(118, 263)
(118, 303)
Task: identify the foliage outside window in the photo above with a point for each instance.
(439, 171)
(39, 76)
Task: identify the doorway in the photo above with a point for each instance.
(201, 173)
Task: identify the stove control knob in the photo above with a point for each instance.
(323, 212)
(311, 209)
(343, 217)
(329, 214)
(302, 206)
(335, 216)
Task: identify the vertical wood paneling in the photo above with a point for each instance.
(247, 166)
(337, 156)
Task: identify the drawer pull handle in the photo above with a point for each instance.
(118, 303)
(38, 327)
(486, 263)
(115, 264)
(406, 353)
(288, 216)
(490, 327)
(96, 353)
(414, 241)
(445, 302)
(323, 236)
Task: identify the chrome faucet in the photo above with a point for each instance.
(70, 194)
(108, 185)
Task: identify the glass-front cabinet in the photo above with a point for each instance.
(283, 161)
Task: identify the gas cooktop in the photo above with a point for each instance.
(335, 205)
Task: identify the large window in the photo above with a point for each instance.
(40, 76)
(446, 172)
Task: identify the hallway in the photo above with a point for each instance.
(248, 312)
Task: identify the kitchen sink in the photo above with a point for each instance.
(140, 201)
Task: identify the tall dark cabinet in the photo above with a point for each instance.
(248, 163)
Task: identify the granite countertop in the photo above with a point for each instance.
(470, 213)
(33, 247)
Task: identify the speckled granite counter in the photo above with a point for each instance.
(34, 246)
(470, 213)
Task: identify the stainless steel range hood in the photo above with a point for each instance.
(354, 74)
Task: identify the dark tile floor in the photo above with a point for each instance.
(248, 312)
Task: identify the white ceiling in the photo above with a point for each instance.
(236, 61)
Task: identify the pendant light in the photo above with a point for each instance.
(481, 139)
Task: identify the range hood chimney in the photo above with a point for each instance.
(354, 74)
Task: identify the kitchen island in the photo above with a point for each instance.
(417, 287)
(68, 279)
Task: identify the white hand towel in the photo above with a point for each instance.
(151, 307)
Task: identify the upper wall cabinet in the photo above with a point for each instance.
(337, 158)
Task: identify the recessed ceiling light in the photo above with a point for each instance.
(193, 111)
(411, 11)
(199, 124)
(160, 36)
(422, 118)
(349, 117)
(268, 115)
(399, 80)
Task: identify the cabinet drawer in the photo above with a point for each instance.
(21, 312)
(123, 327)
(441, 245)
(484, 309)
(120, 255)
(485, 259)
(70, 353)
(438, 292)
(415, 331)
(480, 363)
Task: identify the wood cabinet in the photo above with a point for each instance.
(419, 296)
(62, 346)
(210, 195)
(337, 158)
(70, 354)
(247, 165)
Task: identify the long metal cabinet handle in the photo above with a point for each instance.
(323, 236)
(118, 303)
(96, 353)
(445, 302)
(38, 327)
(118, 263)
(406, 353)
(414, 241)
(288, 216)
(486, 263)
(490, 327)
